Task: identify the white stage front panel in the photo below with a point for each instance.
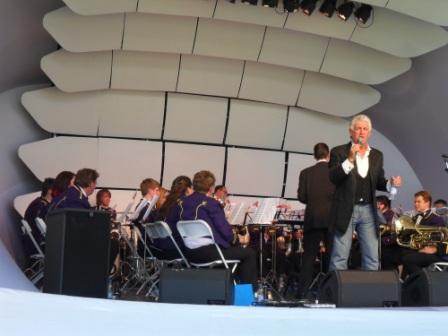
(254, 124)
(125, 163)
(92, 7)
(185, 159)
(255, 172)
(195, 8)
(195, 118)
(296, 163)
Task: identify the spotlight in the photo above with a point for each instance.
(250, 2)
(308, 6)
(328, 7)
(345, 10)
(270, 3)
(363, 13)
(290, 6)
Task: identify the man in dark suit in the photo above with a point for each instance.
(316, 191)
(357, 171)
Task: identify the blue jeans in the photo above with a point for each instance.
(363, 222)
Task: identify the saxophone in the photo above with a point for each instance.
(414, 236)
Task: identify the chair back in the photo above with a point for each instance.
(29, 232)
(41, 225)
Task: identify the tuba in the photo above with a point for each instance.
(415, 237)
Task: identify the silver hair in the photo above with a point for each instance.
(360, 117)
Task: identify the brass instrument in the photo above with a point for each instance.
(415, 237)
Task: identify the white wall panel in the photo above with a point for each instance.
(132, 114)
(271, 83)
(183, 159)
(75, 72)
(144, 71)
(435, 11)
(400, 35)
(321, 25)
(240, 12)
(255, 172)
(228, 39)
(296, 163)
(51, 156)
(162, 33)
(79, 33)
(254, 124)
(125, 163)
(336, 96)
(293, 49)
(306, 128)
(361, 64)
(210, 75)
(201, 8)
(92, 7)
(195, 118)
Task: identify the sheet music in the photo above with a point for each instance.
(235, 213)
(265, 212)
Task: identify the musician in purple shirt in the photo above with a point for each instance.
(200, 205)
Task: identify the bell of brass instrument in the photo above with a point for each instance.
(416, 237)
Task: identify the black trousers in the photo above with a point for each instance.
(415, 261)
(311, 246)
(247, 269)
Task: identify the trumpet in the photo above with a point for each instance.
(415, 237)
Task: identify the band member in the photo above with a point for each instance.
(37, 208)
(356, 169)
(390, 251)
(316, 191)
(150, 189)
(103, 197)
(221, 195)
(415, 260)
(440, 203)
(63, 181)
(199, 205)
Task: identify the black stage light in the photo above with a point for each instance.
(308, 6)
(232, 1)
(345, 10)
(270, 3)
(250, 2)
(363, 13)
(328, 7)
(290, 6)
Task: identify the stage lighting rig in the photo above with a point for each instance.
(362, 14)
(308, 6)
(291, 6)
(250, 2)
(345, 10)
(270, 3)
(328, 8)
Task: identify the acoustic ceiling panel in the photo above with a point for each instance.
(201, 8)
(336, 96)
(75, 72)
(296, 163)
(133, 70)
(306, 128)
(271, 83)
(240, 12)
(255, 172)
(228, 39)
(435, 11)
(183, 159)
(93, 7)
(125, 163)
(321, 25)
(79, 33)
(195, 118)
(293, 49)
(361, 64)
(105, 113)
(162, 33)
(254, 124)
(210, 75)
(400, 35)
(49, 157)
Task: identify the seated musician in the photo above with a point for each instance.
(64, 180)
(390, 251)
(103, 197)
(77, 197)
(37, 208)
(200, 205)
(432, 252)
(150, 189)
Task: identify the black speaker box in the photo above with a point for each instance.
(77, 253)
(199, 286)
(426, 288)
(361, 289)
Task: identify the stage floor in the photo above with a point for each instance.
(30, 313)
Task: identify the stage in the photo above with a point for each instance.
(32, 313)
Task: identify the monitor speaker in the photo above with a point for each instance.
(426, 288)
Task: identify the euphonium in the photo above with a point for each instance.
(416, 237)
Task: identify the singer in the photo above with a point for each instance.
(357, 171)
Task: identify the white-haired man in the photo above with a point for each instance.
(357, 171)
